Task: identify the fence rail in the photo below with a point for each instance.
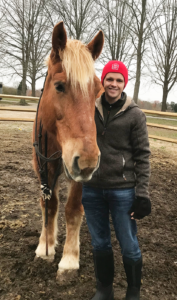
(147, 112)
(25, 109)
(159, 113)
(161, 126)
(161, 138)
(17, 119)
(19, 97)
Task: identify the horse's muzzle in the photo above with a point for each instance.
(78, 174)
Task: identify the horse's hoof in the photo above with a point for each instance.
(49, 258)
(66, 276)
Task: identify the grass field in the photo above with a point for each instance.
(9, 101)
(162, 132)
(162, 121)
(15, 100)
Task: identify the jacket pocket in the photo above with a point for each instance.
(112, 166)
(123, 171)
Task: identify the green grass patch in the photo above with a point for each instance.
(162, 122)
(9, 102)
(4, 100)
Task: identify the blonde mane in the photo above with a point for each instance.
(78, 64)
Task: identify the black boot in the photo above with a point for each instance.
(133, 272)
(104, 272)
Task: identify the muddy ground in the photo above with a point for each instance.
(20, 223)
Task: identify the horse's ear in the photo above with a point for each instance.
(96, 45)
(59, 37)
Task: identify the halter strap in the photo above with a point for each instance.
(42, 161)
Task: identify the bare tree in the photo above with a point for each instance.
(79, 16)
(17, 38)
(37, 68)
(164, 49)
(139, 11)
(128, 31)
(40, 45)
(115, 21)
(20, 24)
(144, 16)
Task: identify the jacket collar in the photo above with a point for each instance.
(129, 102)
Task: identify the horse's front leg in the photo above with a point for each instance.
(74, 214)
(52, 228)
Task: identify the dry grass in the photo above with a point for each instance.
(166, 148)
(162, 132)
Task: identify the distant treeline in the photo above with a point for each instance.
(157, 105)
(8, 90)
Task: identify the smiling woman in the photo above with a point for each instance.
(65, 122)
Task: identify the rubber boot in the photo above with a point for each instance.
(133, 271)
(104, 273)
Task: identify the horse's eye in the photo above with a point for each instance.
(60, 87)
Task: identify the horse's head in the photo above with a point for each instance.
(68, 102)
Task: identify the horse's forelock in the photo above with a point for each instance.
(78, 64)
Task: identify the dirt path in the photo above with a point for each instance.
(20, 223)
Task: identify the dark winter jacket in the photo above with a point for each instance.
(124, 148)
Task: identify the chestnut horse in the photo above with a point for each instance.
(66, 112)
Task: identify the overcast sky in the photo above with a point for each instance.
(151, 92)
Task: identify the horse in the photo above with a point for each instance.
(65, 117)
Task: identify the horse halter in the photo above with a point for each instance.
(43, 160)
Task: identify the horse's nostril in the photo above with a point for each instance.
(76, 168)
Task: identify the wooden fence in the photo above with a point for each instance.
(147, 112)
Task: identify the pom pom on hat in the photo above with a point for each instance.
(115, 66)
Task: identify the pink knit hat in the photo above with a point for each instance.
(115, 66)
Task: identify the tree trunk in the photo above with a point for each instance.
(23, 92)
(164, 98)
(137, 83)
(23, 101)
(33, 79)
(33, 87)
(139, 52)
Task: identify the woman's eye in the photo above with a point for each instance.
(60, 87)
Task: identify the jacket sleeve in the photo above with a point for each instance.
(141, 153)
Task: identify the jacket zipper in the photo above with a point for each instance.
(123, 159)
(101, 118)
(105, 126)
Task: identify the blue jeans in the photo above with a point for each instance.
(97, 205)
